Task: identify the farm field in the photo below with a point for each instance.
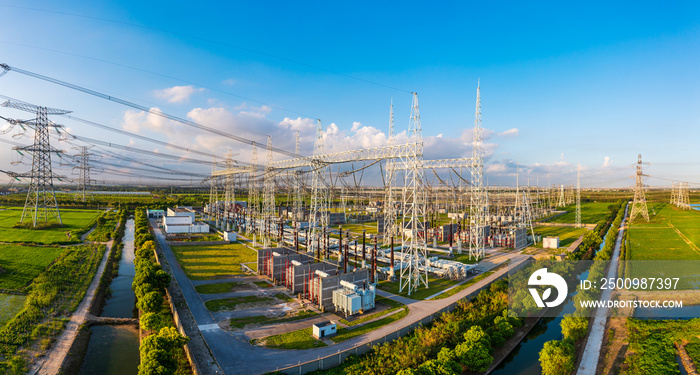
(23, 263)
(72, 220)
(213, 261)
(670, 234)
(567, 235)
(10, 305)
(591, 212)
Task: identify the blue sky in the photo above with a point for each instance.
(597, 83)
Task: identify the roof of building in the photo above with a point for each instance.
(324, 324)
(180, 209)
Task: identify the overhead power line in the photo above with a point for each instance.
(139, 107)
(179, 34)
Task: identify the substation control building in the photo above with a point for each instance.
(180, 220)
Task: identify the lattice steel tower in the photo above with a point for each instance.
(683, 198)
(477, 207)
(389, 208)
(639, 205)
(229, 191)
(41, 198)
(320, 195)
(298, 207)
(269, 193)
(414, 208)
(84, 180)
(213, 193)
(253, 209)
(578, 196)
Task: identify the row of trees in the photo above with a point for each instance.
(158, 350)
(558, 357)
(461, 340)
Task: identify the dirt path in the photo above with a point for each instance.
(50, 363)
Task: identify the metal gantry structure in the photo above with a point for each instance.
(40, 203)
(407, 157)
(639, 204)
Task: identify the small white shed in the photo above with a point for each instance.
(325, 329)
(230, 236)
(550, 243)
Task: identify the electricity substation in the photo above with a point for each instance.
(422, 223)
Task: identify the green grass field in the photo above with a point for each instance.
(72, 220)
(434, 285)
(591, 212)
(23, 263)
(264, 320)
(567, 235)
(218, 288)
(229, 304)
(658, 239)
(301, 339)
(213, 261)
(10, 305)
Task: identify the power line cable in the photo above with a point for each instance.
(148, 110)
(179, 34)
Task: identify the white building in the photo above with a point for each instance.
(325, 329)
(181, 220)
(181, 211)
(550, 243)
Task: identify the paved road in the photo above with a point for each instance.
(235, 355)
(589, 360)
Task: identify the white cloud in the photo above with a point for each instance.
(136, 121)
(177, 94)
(514, 132)
(607, 162)
(229, 82)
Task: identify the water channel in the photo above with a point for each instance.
(524, 359)
(114, 350)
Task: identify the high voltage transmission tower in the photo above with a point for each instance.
(679, 195)
(297, 204)
(639, 205)
(269, 193)
(414, 205)
(84, 180)
(478, 207)
(578, 196)
(253, 209)
(389, 182)
(320, 195)
(229, 192)
(41, 198)
(213, 194)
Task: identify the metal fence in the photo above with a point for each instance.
(327, 362)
